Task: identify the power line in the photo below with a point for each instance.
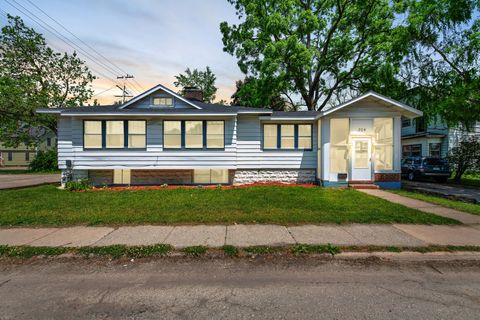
(122, 71)
(65, 40)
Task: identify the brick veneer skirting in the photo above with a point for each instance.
(387, 177)
(100, 177)
(158, 177)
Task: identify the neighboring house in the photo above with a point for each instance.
(22, 155)
(161, 137)
(433, 139)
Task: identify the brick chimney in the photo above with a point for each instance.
(193, 93)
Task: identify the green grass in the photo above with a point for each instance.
(195, 251)
(469, 179)
(26, 171)
(454, 204)
(46, 205)
(309, 248)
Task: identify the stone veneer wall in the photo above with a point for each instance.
(158, 177)
(243, 176)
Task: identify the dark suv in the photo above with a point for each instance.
(426, 167)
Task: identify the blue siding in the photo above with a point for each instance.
(250, 154)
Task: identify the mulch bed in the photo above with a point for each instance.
(123, 188)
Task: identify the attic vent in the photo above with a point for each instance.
(193, 93)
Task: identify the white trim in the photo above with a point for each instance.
(268, 118)
(49, 111)
(150, 91)
(152, 167)
(253, 112)
(398, 104)
(147, 114)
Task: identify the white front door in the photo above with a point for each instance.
(361, 159)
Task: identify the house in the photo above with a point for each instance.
(21, 155)
(160, 137)
(433, 138)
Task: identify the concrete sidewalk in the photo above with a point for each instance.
(8, 181)
(463, 217)
(245, 235)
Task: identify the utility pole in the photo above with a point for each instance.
(125, 93)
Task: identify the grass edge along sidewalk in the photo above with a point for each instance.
(284, 205)
(161, 250)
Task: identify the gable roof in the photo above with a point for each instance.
(152, 90)
(376, 97)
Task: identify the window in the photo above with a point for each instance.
(10, 156)
(435, 149)
(27, 156)
(420, 124)
(270, 136)
(172, 134)
(339, 132)
(210, 176)
(304, 136)
(287, 136)
(49, 142)
(136, 134)
(163, 101)
(115, 135)
(383, 129)
(194, 134)
(413, 150)
(215, 135)
(92, 134)
(406, 122)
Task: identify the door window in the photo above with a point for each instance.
(361, 155)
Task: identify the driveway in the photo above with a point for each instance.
(457, 192)
(8, 181)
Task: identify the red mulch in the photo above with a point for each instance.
(305, 185)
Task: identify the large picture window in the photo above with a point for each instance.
(194, 134)
(383, 129)
(92, 134)
(339, 132)
(287, 136)
(114, 134)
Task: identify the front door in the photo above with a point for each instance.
(361, 159)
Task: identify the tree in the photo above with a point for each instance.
(311, 48)
(33, 76)
(443, 64)
(259, 94)
(204, 80)
(465, 156)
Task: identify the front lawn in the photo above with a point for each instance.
(454, 204)
(46, 205)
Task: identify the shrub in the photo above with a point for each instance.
(78, 185)
(44, 161)
(195, 251)
(230, 250)
(465, 156)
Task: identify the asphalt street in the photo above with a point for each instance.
(262, 288)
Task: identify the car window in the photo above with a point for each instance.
(417, 161)
(433, 162)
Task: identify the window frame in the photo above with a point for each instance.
(183, 136)
(279, 137)
(439, 144)
(104, 135)
(152, 102)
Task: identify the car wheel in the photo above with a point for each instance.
(411, 176)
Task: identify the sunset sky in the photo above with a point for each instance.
(152, 39)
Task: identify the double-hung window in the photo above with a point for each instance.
(114, 134)
(287, 136)
(92, 134)
(194, 134)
